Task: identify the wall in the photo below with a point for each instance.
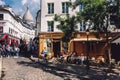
(57, 10)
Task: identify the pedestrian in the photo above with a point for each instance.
(17, 50)
(8, 47)
(82, 59)
(4, 50)
(32, 50)
(44, 54)
(12, 51)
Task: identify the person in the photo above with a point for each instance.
(17, 50)
(4, 50)
(32, 50)
(82, 59)
(12, 51)
(44, 53)
(73, 57)
(8, 47)
(62, 54)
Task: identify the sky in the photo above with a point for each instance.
(19, 6)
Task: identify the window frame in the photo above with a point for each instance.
(50, 8)
(1, 16)
(65, 7)
(50, 25)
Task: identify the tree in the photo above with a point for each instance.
(98, 13)
(94, 10)
(67, 25)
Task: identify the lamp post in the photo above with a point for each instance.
(87, 59)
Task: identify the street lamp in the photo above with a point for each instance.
(87, 60)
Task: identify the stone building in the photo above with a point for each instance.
(50, 36)
(13, 28)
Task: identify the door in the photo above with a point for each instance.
(56, 48)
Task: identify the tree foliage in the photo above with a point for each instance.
(95, 11)
(67, 25)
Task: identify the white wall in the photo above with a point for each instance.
(57, 10)
(20, 31)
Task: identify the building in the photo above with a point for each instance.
(13, 28)
(38, 23)
(50, 36)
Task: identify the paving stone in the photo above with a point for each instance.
(23, 69)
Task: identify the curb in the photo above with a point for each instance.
(0, 67)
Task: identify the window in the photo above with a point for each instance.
(65, 8)
(50, 8)
(82, 26)
(1, 16)
(50, 26)
(81, 7)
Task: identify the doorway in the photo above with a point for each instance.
(56, 48)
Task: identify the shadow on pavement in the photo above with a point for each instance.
(66, 72)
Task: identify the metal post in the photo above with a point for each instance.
(87, 60)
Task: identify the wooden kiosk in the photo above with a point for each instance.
(52, 41)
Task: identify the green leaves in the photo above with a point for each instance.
(93, 10)
(67, 25)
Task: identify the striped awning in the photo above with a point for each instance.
(2, 37)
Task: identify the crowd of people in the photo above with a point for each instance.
(16, 50)
(9, 50)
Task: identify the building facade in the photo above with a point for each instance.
(13, 26)
(50, 36)
(48, 26)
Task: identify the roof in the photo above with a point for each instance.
(28, 18)
(17, 18)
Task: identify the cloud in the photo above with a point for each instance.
(24, 2)
(2, 3)
(34, 6)
(36, 1)
(19, 11)
(20, 6)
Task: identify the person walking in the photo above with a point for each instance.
(82, 59)
(17, 50)
(8, 47)
(4, 50)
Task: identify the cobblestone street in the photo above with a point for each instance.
(24, 69)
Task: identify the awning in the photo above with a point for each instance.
(116, 40)
(85, 39)
(2, 37)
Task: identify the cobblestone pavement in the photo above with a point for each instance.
(100, 72)
(24, 69)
